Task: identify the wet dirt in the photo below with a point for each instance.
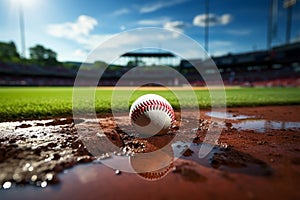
(245, 163)
(33, 152)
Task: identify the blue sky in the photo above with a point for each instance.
(73, 28)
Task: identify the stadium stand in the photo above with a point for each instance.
(279, 66)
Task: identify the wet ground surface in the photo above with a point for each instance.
(257, 156)
(33, 152)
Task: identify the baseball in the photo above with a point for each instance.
(151, 115)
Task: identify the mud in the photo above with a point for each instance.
(33, 152)
(247, 162)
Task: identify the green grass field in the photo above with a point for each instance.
(40, 102)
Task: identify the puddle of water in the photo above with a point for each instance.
(190, 151)
(226, 115)
(226, 159)
(221, 158)
(262, 126)
(251, 123)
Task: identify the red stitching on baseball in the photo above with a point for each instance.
(148, 105)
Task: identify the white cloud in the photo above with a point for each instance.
(165, 23)
(153, 22)
(212, 19)
(159, 5)
(107, 47)
(145, 38)
(80, 53)
(72, 30)
(79, 31)
(149, 22)
(176, 26)
(92, 41)
(121, 11)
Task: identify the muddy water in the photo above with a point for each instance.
(253, 123)
(263, 126)
(223, 158)
(226, 115)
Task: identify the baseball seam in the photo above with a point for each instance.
(157, 174)
(148, 105)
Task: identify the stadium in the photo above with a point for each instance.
(276, 67)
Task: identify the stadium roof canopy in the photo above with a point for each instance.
(148, 54)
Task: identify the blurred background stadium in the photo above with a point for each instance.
(271, 58)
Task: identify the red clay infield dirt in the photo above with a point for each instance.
(256, 157)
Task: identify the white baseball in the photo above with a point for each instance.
(151, 114)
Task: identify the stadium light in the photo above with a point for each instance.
(22, 29)
(20, 4)
(288, 4)
(272, 22)
(206, 29)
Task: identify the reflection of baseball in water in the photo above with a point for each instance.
(151, 114)
(153, 166)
